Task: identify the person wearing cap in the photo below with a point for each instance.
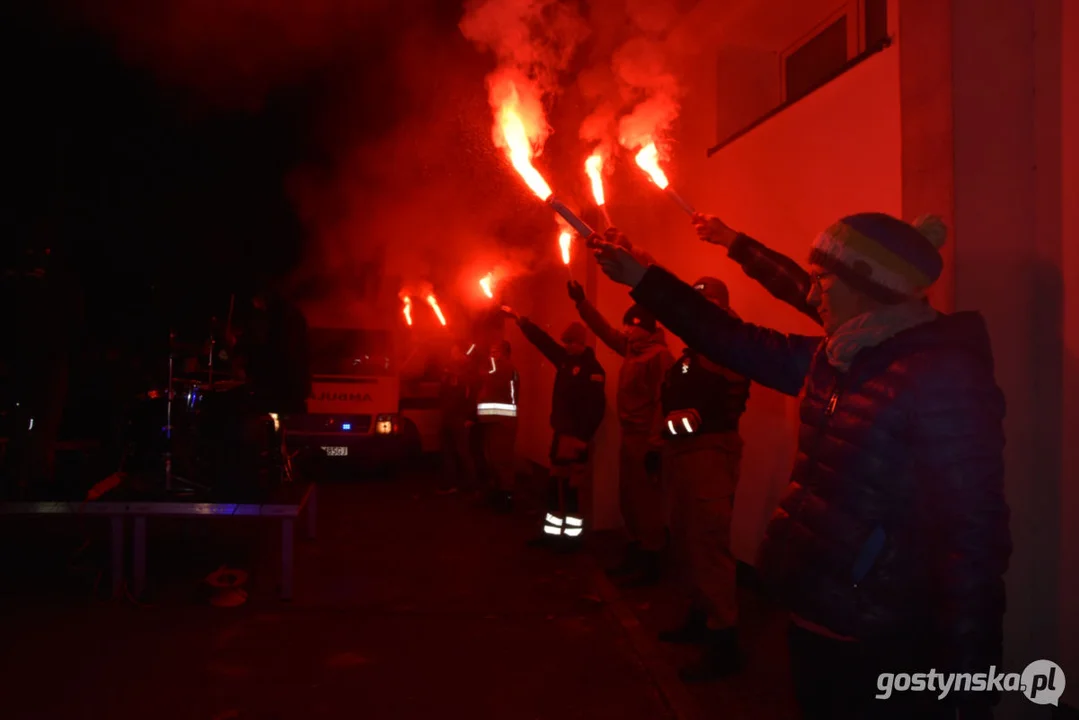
(578, 403)
(643, 347)
(702, 452)
(890, 544)
(496, 414)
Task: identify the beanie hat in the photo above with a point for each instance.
(575, 332)
(881, 256)
(637, 315)
(713, 289)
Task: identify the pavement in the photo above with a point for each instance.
(409, 604)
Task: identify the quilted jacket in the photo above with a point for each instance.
(895, 521)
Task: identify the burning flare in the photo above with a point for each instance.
(593, 166)
(519, 147)
(648, 160)
(485, 283)
(408, 310)
(438, 311)
(564, 240)
(515, 139)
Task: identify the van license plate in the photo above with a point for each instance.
(336, 451)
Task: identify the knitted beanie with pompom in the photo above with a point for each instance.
(887, 259)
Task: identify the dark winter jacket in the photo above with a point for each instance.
(718, 395)
(895, 522)
(640, 377)
(458, 389)
(578, 401)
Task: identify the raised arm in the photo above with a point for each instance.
(614, 339)
(762, 355)
(546, 344)
(781, 276)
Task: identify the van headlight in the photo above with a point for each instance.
(386, 424)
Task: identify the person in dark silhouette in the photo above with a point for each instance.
(578, 403)
(45, 289)
(642, 345)
(269, 352)
(458, 386)
(496, 413)
(273, 351)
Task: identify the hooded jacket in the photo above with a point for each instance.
(640, 379)
(894, 525)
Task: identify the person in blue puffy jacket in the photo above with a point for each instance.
(890, 544)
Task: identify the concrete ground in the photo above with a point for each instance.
(409, 604)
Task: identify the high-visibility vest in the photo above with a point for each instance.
(499, 400)
(500, 409)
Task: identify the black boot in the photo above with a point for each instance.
(694, 631)
(647, 573)
(629, 565)
(567, 545)
(721, 658)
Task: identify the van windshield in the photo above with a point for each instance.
(351, 352)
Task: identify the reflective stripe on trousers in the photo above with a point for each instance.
(570, 526)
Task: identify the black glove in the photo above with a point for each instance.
(576, 292)
(652, 462)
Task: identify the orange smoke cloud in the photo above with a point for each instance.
(532, 41)
(631, 86)
(538, 38)
(641, 65)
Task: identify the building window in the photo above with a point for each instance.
(815, 62)
(837, 42)
(875, 24)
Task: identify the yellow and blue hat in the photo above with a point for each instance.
(884, 257)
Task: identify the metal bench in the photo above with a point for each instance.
(287, 510)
